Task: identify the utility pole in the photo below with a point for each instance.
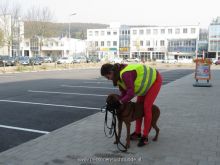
(69, 22)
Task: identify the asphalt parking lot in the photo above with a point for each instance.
(37, 103)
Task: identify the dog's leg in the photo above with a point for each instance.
(155, 115)
(119, 132)
(128, 125)
(157, 131)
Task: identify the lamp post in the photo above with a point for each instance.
(69, 22)
(217, 50)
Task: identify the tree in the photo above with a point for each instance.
(38, 19)
(9, 16)
(1, 38)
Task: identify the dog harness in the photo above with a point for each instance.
(146, 76)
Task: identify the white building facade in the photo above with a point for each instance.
(54, 47)
(146, 43)
(214, 39)
(103, 43)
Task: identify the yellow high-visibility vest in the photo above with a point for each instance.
(146, 76)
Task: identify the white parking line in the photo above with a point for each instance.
(97, 82)
(54, 105)
(72, 86)
(65, 93)
(24, 129)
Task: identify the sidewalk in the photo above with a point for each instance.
(190, 134)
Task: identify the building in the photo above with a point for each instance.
(202, 44)
(103, 43)
(214, 39)
(54, 47)
(124, 42)
(13, 35)
(144, 42)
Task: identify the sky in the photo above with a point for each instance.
(130, 12)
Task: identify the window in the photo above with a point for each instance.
(162, 43)
(114, 43)
(162, 31)
(141, 32)
(96, 43)
(155, 31)
(177, 31)
(108, 33)
(170, 31)
(27, 44)
(184, 30)
(148, 43)
(134, 43)
(108, 43)
(148, 31)
(96, 33)
(134, 32)
(90, 44)
(102, 43)
(141, 43)
(90, 33)
(193, 30)
(102, 33)
(114, 33)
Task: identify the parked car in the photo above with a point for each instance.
(170, 61)
(93, 59)
(132, 60)
(185, 61)
(115, 60)
(217, 62)
(23, 60)
(35, 61)
(80, 59)
(65, 60)
(47, 59)
(6, 61)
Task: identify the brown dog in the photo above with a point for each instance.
(129, 112)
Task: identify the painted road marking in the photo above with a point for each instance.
(73, 86)
(97, 82)
(66, 93)
(24, 129)
(54, 105)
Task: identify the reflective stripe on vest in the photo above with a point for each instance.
(146, 76)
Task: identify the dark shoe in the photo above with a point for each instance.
(135, 136)
(143, 141)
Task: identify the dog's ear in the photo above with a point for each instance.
(112, 98)
(109, 99)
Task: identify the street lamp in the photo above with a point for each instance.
(69, 22)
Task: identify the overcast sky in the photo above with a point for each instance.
(131, 12)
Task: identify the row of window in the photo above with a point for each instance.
(164, 31)
(148, 43)
(182, 49)
(125, 43)
(145, 31)
(103, 43)
(146, 55)
(102, 33)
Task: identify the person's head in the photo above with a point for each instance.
(111, 72)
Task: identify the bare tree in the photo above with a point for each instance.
(1, 38)
(38, 20)
(9, 16)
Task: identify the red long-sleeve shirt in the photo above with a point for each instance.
(128, 78)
